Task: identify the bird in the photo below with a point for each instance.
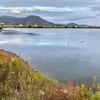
(82, 41)
(68, 42)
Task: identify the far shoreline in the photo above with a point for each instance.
(54, 27)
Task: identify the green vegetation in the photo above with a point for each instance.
(18, 81)
(54, 26)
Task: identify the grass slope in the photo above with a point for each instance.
(18, 81)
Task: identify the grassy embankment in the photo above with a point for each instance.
(18, 81)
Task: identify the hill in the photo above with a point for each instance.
(74, 24)
(29, 20)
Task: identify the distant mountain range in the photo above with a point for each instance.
(74, 24)
(31, 20)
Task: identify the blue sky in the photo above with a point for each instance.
(57, 11)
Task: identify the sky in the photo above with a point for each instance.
(56, 11)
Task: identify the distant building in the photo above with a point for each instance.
(20, 25)
(35, 25)
(1, 23)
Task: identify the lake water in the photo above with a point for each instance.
(58, 53)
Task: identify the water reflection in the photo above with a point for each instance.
(12, 32)
(58, 53)
(15, 40)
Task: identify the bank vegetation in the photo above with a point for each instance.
(18, 81)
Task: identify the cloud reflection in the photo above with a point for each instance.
(3, 42)
(24, 41)
(16, 40)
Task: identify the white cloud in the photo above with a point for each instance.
(51, 9)
(16, 11)
(73, 10)
(63, 9)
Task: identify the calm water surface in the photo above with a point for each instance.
(59, 53)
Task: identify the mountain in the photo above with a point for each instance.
(74, 24)
(29, 20)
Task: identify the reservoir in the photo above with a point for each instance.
(58, 53)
